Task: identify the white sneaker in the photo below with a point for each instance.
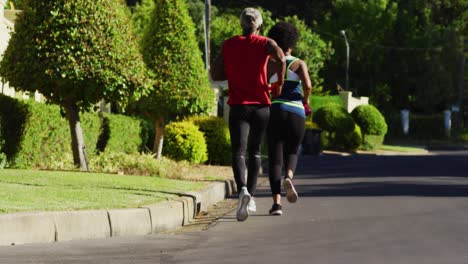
(291, 193)
(252, 207)
(244, 199)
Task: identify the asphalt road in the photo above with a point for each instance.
(352, 209)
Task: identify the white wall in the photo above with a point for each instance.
(5, 28)
(351, 102)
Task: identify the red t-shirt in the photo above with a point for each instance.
(245, 65)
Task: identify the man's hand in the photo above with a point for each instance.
(275, 88)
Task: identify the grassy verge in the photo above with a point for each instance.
(32, 190)
(405, 149)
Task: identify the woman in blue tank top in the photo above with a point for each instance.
(287, 116)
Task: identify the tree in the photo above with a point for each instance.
(170, 50)
(76, 53)
(141, 15)
(312, 49)
(17, 4)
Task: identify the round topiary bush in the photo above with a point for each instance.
(183, 141)
(350, 141)
(217, 138)
(373, 126)
(335, 119)
(370, 120)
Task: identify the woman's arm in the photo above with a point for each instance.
(303, 73)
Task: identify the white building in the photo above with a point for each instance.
(7, 18)
(6, 26)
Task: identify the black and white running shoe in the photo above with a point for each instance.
(276, 209)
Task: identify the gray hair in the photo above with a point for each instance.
(251, 19)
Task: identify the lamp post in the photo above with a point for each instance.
(343, 33)
(206, 27)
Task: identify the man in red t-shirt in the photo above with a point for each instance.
(243, 63)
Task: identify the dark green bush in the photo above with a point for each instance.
(127, 134)
(36, 134)
(370, 120)
(216, 133)
(340, 131)
(421, 127)
(349, 141)
(13, 116)
(183, 141)
(334, 118)
(372, 142)
(46, 136)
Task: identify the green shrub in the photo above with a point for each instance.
(36, 135)
(349, 141)
(3, 160)
(370, 120)
(46, 136)
(140, 164)
(372, 142)
(334, 118)
(217, 138)
(134, 164)
(340, 131)
(12, 125)
(183, 141)
(126, 134)
(421, 127)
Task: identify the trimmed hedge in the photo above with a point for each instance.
(340, 130)
(35, 134)
(373, 126)
(217, 137)
(421, 127)
(349, 141)
(183, 141)
(334, 118)
(370, 120)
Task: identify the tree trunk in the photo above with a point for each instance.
(159, 137)
(77, 141)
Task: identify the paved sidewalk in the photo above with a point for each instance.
(39, 227)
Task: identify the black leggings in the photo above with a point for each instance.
(285, 133)
(247, 125)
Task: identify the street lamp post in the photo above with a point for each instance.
(207, 26)
(343, 33)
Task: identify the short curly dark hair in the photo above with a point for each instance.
(285, 35)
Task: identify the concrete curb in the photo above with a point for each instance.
(41, 227)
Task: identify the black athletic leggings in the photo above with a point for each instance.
(247, 125)
(285, 133)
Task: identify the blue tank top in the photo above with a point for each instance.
(290, 99)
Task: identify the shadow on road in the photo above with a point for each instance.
(371, 175)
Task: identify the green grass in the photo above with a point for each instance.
(317, 101)
(31, 190)
(405, 149)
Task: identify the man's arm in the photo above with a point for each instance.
(279, 59)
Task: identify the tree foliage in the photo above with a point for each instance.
(412, 49)
(170, 50)
(141, 15)
(310, 47)
(75, 53)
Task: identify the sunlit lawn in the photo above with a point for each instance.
(32, 190)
